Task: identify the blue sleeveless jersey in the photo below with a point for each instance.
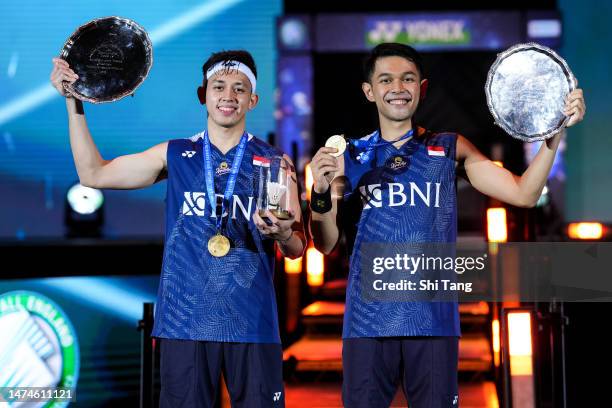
(200, 297)
(425, 166)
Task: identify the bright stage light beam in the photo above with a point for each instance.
(167, 31)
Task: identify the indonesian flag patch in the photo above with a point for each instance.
(261, 161)
(436, 151)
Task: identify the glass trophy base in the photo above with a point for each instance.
(280, 214)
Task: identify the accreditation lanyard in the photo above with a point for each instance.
(231, 181)
(365, 147)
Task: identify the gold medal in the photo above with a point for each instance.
(337, 141)
(218, 245)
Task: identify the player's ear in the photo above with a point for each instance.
(424, 85)
(366, 87)
(253, 101)
(202, 95)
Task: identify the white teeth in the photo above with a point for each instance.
(398, 102)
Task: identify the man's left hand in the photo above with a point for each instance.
(278, 229)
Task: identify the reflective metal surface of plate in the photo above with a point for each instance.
(526, 89)
(112, 56)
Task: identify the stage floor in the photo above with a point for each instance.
(327, 395)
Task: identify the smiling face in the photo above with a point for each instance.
(395, 88)
(229, 98)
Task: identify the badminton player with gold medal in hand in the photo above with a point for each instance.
(216, 306)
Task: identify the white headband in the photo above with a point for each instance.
(232, 65)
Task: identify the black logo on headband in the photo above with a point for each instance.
(226, 65)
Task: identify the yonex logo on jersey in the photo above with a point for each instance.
(195, 204)
(455, 400)
(188, 153)
(277, 396)
(372, 195)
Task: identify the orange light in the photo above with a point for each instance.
(308, 180)
(490, 392)
(312, 309)
(497, 229)
(293, 266)
(315, 266)
(496, 342)
(585, 230)
(498, 163)
(519, 347)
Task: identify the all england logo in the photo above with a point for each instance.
(223, 168)
(38, 345)
(397, 164)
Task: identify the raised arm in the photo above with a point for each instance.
(124, 172)
(499, 183)
(327, 172)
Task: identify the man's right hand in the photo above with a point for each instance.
(323, 167)
(62, 73)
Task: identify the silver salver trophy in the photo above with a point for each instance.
(112, 56)
(274, 178)
(526, 89)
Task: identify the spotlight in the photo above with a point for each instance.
(497, 225)
(519, 357)
(315, 266)
(586, 230)
(84, 211)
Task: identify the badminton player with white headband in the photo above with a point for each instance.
(216, 308)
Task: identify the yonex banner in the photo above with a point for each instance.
(444, 31)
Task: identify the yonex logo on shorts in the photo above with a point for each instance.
(188, 153)
(277, 396)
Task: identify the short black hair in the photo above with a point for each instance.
(391, 50)
(241, 56)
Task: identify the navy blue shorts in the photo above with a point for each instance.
(190, 372)
(426, 366)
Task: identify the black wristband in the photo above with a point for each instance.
(320, 203)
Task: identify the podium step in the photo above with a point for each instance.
(324, 353)
(474, 353)
(315, 353)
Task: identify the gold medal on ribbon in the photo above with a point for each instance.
(337, 141)
(218, 245)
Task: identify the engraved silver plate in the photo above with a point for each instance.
(526, 89)
(112, 56)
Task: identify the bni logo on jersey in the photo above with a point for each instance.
(194, 204)
(38, 345)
